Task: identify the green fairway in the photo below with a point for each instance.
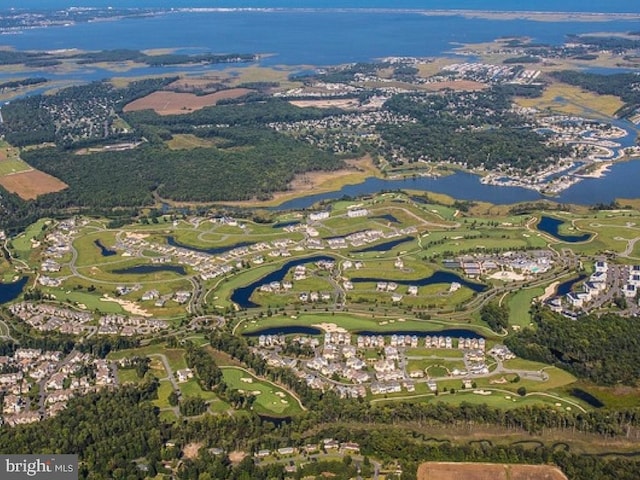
(352, 323)
(91, 301)
(519, 305)
(22, 244)
(270, 399)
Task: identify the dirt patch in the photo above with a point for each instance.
(31, 184)
(237, 456)
(458, 85)
(191, 450)
(487, 471)
(173, 103)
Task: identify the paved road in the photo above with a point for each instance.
(171, 377)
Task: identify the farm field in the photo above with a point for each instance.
(487, 471)
(175, 103)
(30, 184)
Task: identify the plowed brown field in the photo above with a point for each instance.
(487, 471)
(174, 103)
(29, 185)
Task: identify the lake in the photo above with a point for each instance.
(148, 269)
(437, 277)
(552, 225)
(11, 291)
(241, 296)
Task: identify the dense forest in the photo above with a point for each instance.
(624, 85)
(246, 158)
(471, 128)
(603, 349)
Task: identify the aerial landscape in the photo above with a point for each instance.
(304, 240)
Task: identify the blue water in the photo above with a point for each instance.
(551, 225)
(387, 216)
(147, 269)
(242, 295)
(288, 330)
(11, 291)
(104, 251)
(384, 247)
(437, 277)
(524, 5)
(302, 330)
(285, 224)
(461, 185)
(565, 287)
(212, 251)
(295, 37)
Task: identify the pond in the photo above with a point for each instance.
(104, 251)
(384, 247)
(148, 269)
(438, 277)
(551, 226)
(565, 287)
(241, 295)
(11, 291)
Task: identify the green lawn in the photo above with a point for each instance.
(164, 390)
(128, 375)
(191, 388)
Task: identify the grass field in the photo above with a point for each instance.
(164, 390)
(570, 100)
(271, 400)
(188, 141)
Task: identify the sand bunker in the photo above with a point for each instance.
(329, 327)
(128, 306)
